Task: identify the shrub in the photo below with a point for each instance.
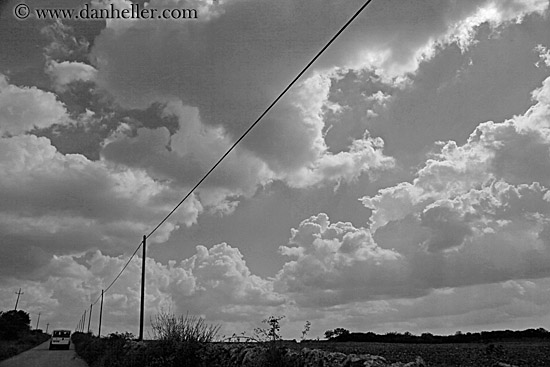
(13, 324)
(89, 348)
(192, 329)
(183, 340)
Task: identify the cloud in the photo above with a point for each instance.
(474, 214)
(247, 69)
(67, 204)
(514, 304)
(514, 151)
(495, 13)
(63, 73)
(448, 227)
(25, 108)
(474, 219)
(544, 55)
(485, 235)
(182, 159)
(64, 46)
(215, 283)
(188, 154)
(336, 263)
(73, 282)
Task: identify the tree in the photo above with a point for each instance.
(13, 324)
(271, 333)
(338, 332)
(329, 334)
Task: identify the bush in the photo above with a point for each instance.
(187, 338)
(167, 326)
(14, 324)
(89, 348)
(181, 341)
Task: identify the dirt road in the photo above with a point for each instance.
(41, 356)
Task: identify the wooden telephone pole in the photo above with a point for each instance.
(18, 294)
(90, 318)
(142, 310)
(100, 313)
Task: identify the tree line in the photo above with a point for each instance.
(344, 335)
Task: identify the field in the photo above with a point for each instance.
(521, 353)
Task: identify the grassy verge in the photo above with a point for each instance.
(121, 351)
(10, 348)
(184, 341)
(180, 341)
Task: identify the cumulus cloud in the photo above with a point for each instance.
(475, 214)
(514, 151)
(544, 55)
(214, 283)
(187, 155)
(336, 262)
(25, 108)
(63, 44)
(65, 72)
(231, 90)
(66, 204)
(482, 236)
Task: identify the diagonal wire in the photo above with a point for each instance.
(120, 273)
(234, 145)
(263, 114)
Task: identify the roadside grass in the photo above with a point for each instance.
(179, 341)
(10, 348)
(184, 341)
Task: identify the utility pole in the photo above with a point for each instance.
(142, 310)
(83, 321)
(47, 326)
(90, 318)
(18, 294)
(38, 321)
(100, 314)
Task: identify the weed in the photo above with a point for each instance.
(307, 326)
(272, 332)
(167, 326)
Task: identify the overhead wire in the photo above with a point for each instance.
(120, 273)
(243, 135)
(327, 45)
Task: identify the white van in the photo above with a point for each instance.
(60, 339)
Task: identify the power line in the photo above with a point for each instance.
(234, 145)
(264, 113)
(120, 273)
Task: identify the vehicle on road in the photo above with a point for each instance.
(60, 339)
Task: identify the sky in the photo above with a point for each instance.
(402, 184)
